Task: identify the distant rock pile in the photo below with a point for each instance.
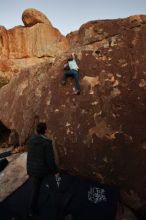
(101, 133)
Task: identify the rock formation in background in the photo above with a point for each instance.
(101, 133)
(27, 45)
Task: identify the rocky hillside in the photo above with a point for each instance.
(101, 133)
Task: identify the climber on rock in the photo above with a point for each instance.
(71, 69)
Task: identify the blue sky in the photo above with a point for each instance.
(69, 15)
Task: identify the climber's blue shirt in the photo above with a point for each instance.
(73, 65)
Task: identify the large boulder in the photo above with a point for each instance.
(32, 16)
(101, 133)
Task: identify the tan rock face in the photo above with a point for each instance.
(40, 40)
(3, 43)
(101, 133)
(37, 39)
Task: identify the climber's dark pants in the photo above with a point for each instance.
(36, 185)
(74, 74)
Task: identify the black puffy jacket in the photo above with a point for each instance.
(40, 157)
